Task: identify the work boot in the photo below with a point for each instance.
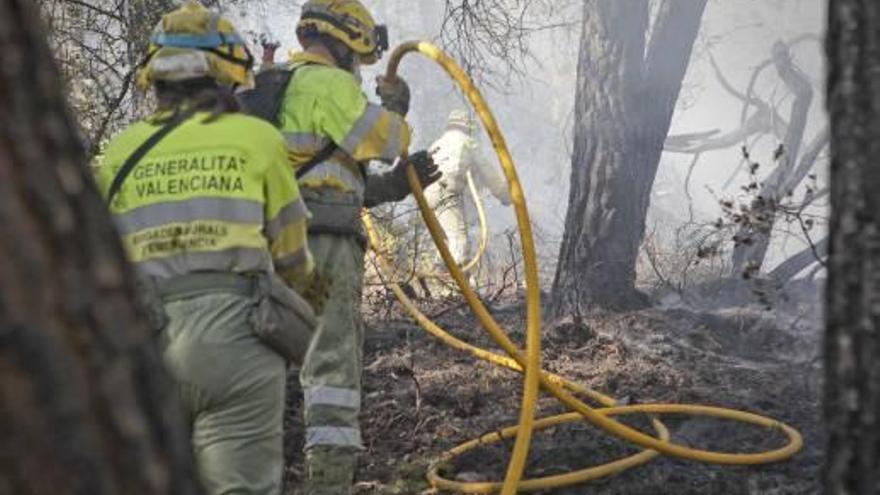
(329, 470)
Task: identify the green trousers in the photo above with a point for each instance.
(331, 373)
(232, 387)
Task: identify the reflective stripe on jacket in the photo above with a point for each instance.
(322, 104)
(211, 196)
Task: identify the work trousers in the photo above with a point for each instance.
(232, 388)
(331, 373)
(449, 208)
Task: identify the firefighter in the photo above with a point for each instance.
(456, 153)
(332, 132)
(208, 209)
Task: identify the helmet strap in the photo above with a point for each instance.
(247, 63)
(330, 19)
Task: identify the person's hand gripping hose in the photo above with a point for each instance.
(394, 94)
(426, 169)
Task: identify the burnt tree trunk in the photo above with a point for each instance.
(627, 87)
(85, 404)
(852, 342)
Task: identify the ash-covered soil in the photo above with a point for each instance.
(422, 398)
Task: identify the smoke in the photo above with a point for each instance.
(740, 35)
(534, 104)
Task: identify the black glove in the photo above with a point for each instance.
(394, 94)
(393, 185)
(426, 169)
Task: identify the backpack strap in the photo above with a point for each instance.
(325, 153)
(319, 157)
(143, 149)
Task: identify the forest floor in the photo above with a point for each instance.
(421, 398)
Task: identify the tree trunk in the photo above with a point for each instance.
(86, 405)
(852, 342)
(754, 239)
(626, 93)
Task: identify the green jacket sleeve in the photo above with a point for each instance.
(329, 102)
(286, 220)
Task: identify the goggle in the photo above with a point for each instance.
(381, 34)
(210, 42)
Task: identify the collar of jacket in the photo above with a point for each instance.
(310, 58)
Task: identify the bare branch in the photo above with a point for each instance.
(486, 34)
(789, 268)
(96, 9)
(808, 160)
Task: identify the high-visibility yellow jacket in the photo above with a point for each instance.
(324, 103)
(210, 196)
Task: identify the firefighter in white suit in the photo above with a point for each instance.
(456, 153)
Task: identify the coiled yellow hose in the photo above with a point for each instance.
(529, 361)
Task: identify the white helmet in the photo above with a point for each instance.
(460, 119)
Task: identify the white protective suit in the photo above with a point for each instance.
(456, 153)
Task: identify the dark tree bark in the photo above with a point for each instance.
(85, 404)
(627, 87)
(852, 342)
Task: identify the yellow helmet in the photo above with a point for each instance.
(192, 42)
(347, 21)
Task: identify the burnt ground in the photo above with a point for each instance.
(422, 398)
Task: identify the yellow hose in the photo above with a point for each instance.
(484, 226)
(484, 234)
(529, 362)
(528, 485)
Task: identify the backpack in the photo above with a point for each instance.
(264, 102)
(265, 99)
